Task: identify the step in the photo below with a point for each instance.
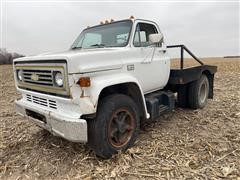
(159, 103)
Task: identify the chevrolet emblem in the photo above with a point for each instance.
(34, 77)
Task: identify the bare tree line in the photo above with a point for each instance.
(7, 57)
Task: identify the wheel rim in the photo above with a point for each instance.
(120, 128)
(203, 92)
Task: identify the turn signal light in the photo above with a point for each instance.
(84, 82)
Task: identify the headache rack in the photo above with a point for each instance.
(186, 75)
(182, 48)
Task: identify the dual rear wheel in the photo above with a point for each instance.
(195, 94)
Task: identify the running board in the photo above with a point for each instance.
(159, 103)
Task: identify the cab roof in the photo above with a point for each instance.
(112, 22)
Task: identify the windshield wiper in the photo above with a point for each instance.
(76, 47)
(94, 45)
(98, 45)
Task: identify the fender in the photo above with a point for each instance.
(98, 83)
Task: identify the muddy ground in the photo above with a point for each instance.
(183, 144)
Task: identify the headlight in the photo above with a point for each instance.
(19, 75)
(58, 78)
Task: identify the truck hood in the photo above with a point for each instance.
(83, 60)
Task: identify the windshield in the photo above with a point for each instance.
(108, 35)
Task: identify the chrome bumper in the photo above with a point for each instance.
(72, 129)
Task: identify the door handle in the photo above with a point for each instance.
(162, 50)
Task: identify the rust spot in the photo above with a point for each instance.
(82, 94)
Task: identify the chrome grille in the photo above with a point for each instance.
(41, 101)
(44, 77)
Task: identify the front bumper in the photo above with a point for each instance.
(58, 123)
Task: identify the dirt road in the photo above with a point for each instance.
(182, 144)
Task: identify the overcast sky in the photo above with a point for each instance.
(207, 28)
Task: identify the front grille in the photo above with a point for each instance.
(39, 77)
(42, 101)
(44, 77)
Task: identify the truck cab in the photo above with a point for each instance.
(114, 76)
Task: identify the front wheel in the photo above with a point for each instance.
(116, 126)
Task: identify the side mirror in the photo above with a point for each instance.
(155, 38)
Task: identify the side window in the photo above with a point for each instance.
(141, 37)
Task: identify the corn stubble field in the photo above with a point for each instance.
(182, 144)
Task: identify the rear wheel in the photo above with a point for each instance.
(198, 92)
(116, 126)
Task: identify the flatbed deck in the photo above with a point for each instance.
(184, 76)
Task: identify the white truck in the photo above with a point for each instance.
(115, 76)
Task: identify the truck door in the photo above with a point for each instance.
(153, 65)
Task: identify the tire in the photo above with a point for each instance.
(198, 93)
(182, 96)
(115, 127)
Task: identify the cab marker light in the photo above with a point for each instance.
(131, 17)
